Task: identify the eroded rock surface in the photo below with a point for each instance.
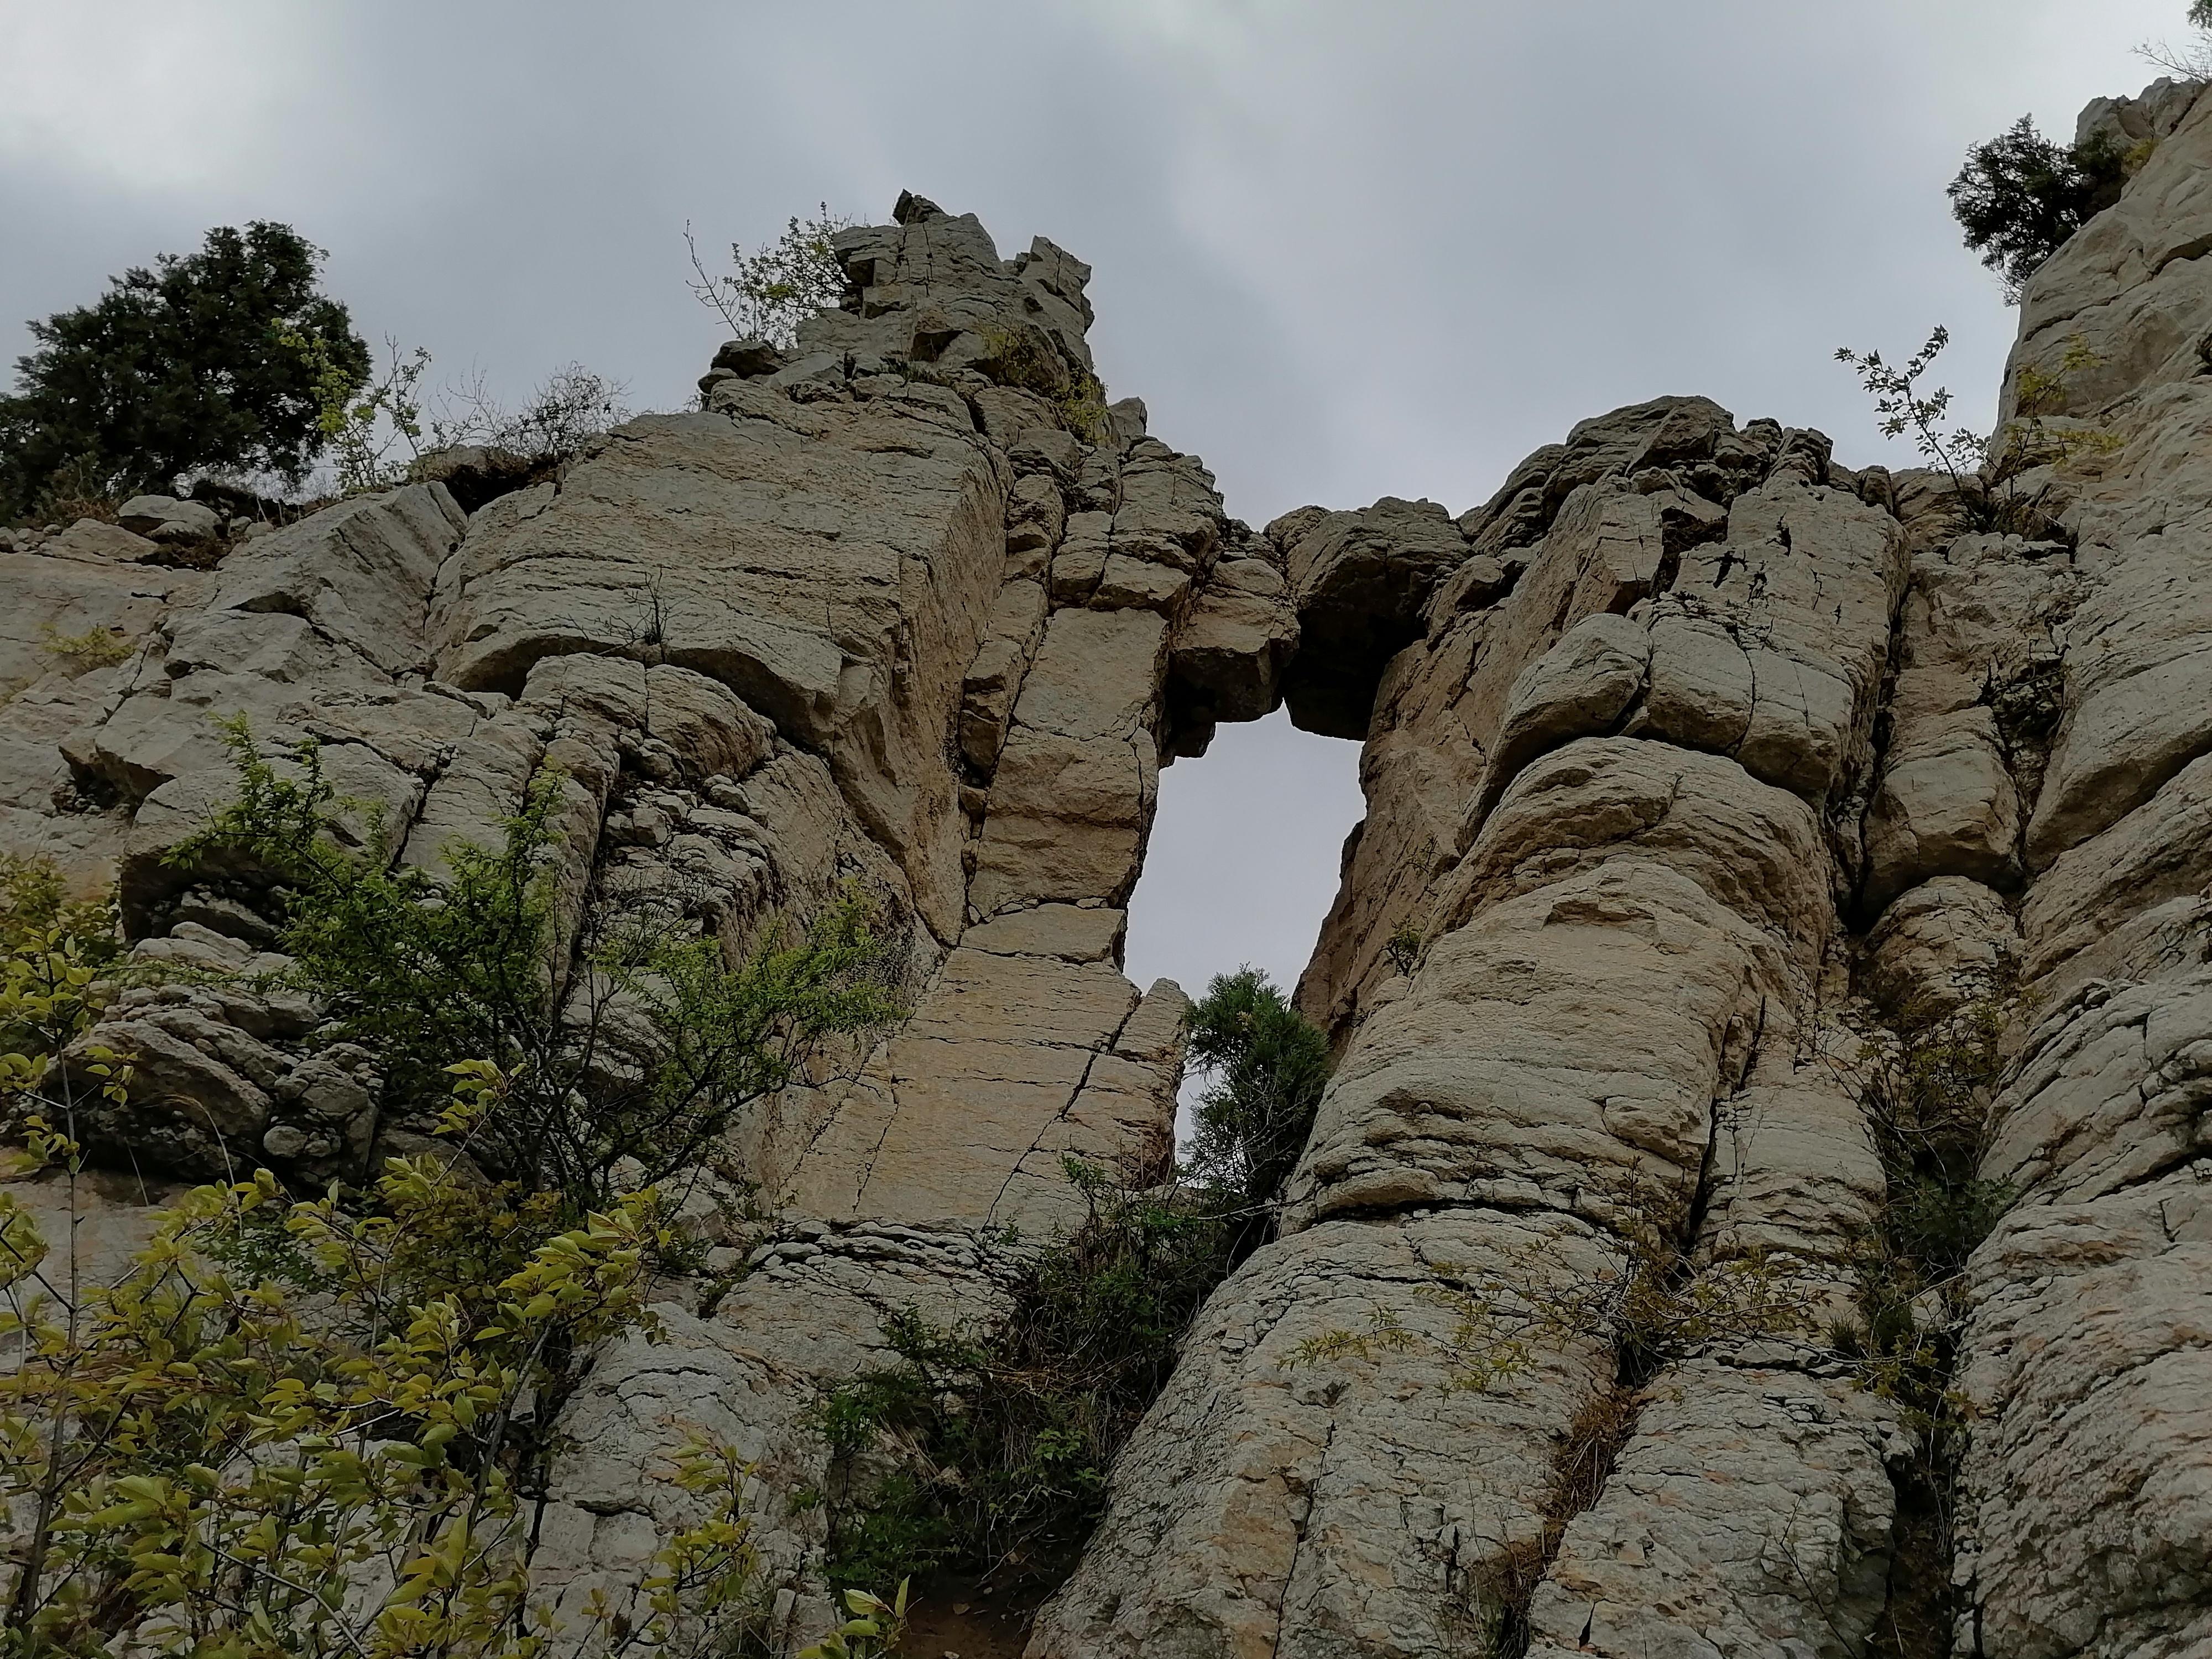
(2086, 1361)
(1703, 775)
(1715, 771)
(912, 609)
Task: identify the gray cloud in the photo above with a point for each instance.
(1342, 250)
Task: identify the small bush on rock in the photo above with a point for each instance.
(1927, 1103)
(346, 1459)
(96, 647)
(873, 1630)
(2001, 482)
(1003, 1438)
(380, 431)
(1025, 357)
(768, 294)
(635, 1072)
(1929, 1108)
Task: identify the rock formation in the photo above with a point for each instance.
(1712, 756)
(1700, 771)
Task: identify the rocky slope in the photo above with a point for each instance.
(1701, 773)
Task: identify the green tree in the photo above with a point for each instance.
(2020, 195)
(223, 359)
(1266, 1066)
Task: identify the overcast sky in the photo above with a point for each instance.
(1345, 248)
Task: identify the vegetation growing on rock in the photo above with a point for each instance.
(986, 1451)
(219, 359)
(767, 293)
(375, 1377)
(2020, 195)
(624, 1075)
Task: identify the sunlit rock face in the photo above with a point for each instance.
(1701, 772)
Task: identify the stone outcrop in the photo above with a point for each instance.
(2085, 1360)
(1704, 776)
(1608, 798)
(1712, 763)
(913, 609)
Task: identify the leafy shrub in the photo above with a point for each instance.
(1902, 407)
(327, 1427)
(999, 1441)
(79, 488)
(1928, 1104)
(217, 359)
(423, 969)
(1990, 475)
(1928, 1108)
(53, 950)
(768, 294)
(568, 409)
(1403, 948)
(348, 1463)
(35, 907)
(2020, 197)
(379, 430)
(873, 1630)
(1010, 1432)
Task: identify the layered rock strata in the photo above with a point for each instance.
(1606, 794)
(2088, 1474)
(1697, 768)
(1710, 762)
(913, 610)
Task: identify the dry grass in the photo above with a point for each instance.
(1580, 1469)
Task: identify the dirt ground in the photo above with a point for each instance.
(953, 1620)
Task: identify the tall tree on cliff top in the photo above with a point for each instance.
(224, 359)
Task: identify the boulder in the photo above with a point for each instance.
(164, 517)
(1359, 582)
(93, 541)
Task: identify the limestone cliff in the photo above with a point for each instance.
(1706, 758)
(1695, 763)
